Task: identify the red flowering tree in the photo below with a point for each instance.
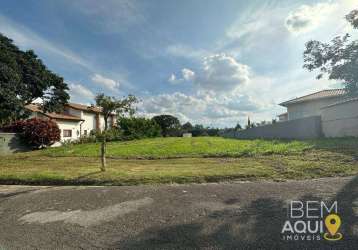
(36, 132)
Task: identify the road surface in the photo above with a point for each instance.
(238, 215)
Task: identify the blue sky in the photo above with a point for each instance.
(209, 62)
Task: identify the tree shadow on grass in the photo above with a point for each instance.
(257, 226)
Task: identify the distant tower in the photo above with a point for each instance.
(248, 122)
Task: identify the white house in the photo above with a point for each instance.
(76, 120)
(337, 111)
(311, 105)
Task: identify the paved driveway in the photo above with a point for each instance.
(200, 216)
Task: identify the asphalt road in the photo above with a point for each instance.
(242, 215)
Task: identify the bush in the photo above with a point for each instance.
(36, 132)
(15, 127)
(112, 134)
(139, 127)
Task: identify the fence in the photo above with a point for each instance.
(11, 143)
(341, 119)
(305, 128)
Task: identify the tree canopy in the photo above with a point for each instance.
(338, 59)
(24, 78)
(112, 105)
(167, 123)
(109, 106)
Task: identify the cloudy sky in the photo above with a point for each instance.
(211, 62)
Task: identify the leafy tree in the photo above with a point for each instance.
(139, 127)
(167, 123)
(238, 126)
(187, 127)
(111, 105)
(24, 78)
(338, 59)
(36, 132)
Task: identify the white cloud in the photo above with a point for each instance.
(188, 74)
(308, 17)
(105, 82)
(78, 92)
(219, 72)
(173, 79)
(222, 73)
(206, 108)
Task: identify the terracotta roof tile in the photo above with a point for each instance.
(85, 107)
(328, 93)
(60, 116)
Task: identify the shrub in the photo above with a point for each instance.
(15, 127)
(40, 132)
(36, 132)
(112, 134)
(139, 127)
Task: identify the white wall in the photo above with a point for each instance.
(310, 108)
(70, 125)
(89, 123)
(340, 120)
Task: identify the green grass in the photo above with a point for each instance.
(184, 147)
(183, 160)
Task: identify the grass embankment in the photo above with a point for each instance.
(161, 148)
(183, 160)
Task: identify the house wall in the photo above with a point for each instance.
(311, 108)
(89, 123)
(77, 127)
(340, 120)
(70, 125)
(305, 128)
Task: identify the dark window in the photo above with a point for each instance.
(67, 133)
(85, 132)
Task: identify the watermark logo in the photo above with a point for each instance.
(312, 220)
(332, 222)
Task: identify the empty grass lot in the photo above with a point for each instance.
(183, 160)
(159, 148)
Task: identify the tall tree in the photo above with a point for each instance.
(24, 78)
(238, 126)
(167, 123)
(111, 105)
(338, 59)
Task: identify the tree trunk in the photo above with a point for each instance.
(104, 146)
(103, 154)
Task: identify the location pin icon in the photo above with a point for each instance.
(332, 222)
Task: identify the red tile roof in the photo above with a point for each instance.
(328, 93)
(59, 116)
(84, 107)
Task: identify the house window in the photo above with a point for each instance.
(67, 133)
(85, 132)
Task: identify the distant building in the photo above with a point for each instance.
(75, 121)
(187, 135)
(283, 117)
